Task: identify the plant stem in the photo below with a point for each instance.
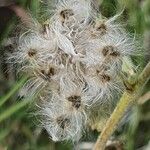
(128, 99)
(143, 99)
(34, 5)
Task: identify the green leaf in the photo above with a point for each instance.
(4, 133)
(12, 91)
(13, 109)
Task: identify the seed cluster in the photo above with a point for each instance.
(73, 64)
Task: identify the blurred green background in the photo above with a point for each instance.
(18, 127)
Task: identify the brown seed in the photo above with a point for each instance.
(102, 28)
(43, 72)
(110, 50)
(105, 78)
(65, 14)
(115, 54)
(32, 52)
(45, 28)
(63, 122)
(51, 71)
(97, 71)
(76, 101)
(64, 58)
(43, 75)
(105, 51)
(46, 75)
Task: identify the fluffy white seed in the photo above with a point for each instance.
(73, 62)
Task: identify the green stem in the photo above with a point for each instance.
(128, 99)
(34, 5)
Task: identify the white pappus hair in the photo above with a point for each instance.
(72, 65)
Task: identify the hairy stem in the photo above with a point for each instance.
(128, 99)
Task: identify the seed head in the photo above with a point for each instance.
(74, 61)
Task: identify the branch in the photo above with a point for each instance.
(128, 99)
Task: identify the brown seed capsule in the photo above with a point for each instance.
(76, 101)
(63, 122)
